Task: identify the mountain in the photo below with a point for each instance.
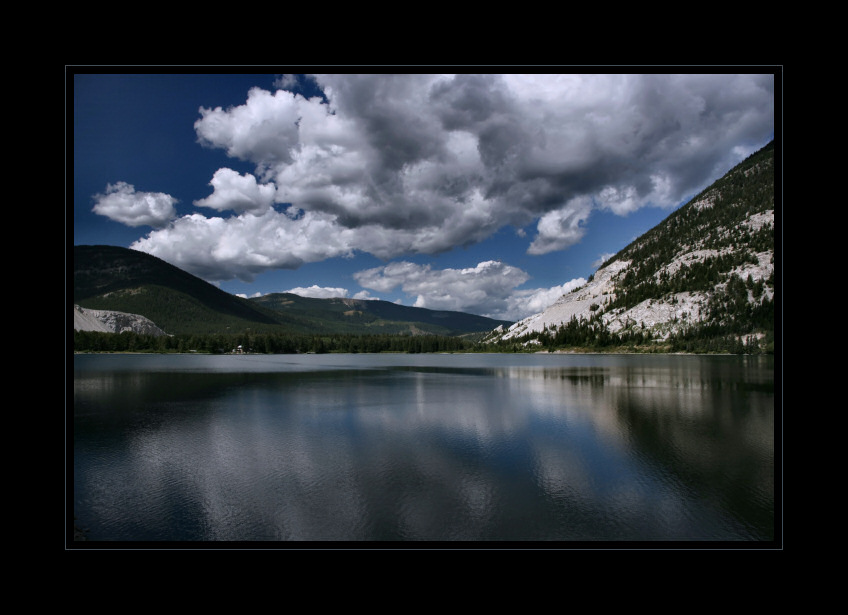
(114, 279)
(123, 280)
(342, 315)
(703, 279)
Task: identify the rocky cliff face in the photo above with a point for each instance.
(107, 321)
(660, 316)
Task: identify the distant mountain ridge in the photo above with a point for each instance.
(706, 271)
(111, 278)
(374, 314)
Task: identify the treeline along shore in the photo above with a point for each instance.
(572, 336)
(265, 343)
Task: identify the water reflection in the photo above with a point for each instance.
(439, 448)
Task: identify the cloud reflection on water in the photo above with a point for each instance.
(426, 453)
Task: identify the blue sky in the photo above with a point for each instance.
(490, 194)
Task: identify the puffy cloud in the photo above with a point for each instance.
(240, 193)
(386, 147)
(264, 130)
(395, 165)
(318, 292)
(123, 204)
(562, 228)
(479, 289)
(243, 246)
(489, 289)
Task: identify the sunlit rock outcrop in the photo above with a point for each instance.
(107, 321)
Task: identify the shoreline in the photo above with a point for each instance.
(528, 352)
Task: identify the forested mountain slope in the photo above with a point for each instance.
(344, 315)
(123, 280)
(110, 278)
(701, 280)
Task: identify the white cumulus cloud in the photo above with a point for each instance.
(123, 204)
(243, 246)
(318, 292)
(489, 288)
(562, 228)
(264, 130)
(395, 165)
(240, 193)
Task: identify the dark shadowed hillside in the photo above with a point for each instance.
(344, 315)
(123, 280)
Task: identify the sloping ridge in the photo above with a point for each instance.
(124, 280)
(709, 262)
(111, 278)
(339, 313)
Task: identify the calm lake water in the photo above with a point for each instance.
(460, 447)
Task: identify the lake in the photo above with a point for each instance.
(455, 449)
